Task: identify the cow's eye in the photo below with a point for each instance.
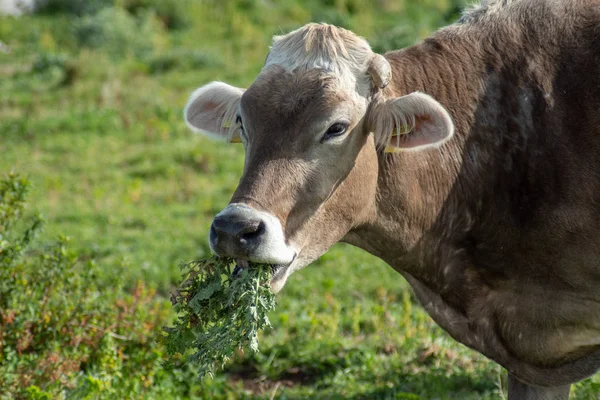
(335, 130)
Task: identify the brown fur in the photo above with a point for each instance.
(497, 230)
(505, 229)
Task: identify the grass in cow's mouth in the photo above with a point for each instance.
(220, 308)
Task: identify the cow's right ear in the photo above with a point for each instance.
(212, 110)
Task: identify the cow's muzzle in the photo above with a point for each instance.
(240, 231)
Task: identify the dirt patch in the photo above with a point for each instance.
(255, 383)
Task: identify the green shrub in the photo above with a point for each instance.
(77, 7)
(172, 13)
(116, 31)
(181, 59)
(62, 333)
(54, 69)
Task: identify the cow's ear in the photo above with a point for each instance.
(412, 122)
(212, 110)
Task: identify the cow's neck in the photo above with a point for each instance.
(484, 82)
(413, 187)
(428, 199)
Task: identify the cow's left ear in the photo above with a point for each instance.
(212, 111)
(412, 122)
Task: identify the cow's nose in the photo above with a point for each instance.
(240, 231)
(232, 227)
(236, 234)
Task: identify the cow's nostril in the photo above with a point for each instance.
(255, 232)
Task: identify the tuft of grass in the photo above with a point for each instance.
(181, 59)
(219, 313)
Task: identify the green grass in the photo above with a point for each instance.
(97, 127)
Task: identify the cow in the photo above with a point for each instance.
(470, 163)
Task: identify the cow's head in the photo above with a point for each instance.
(313, 125)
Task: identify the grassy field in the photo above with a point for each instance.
(91, 112)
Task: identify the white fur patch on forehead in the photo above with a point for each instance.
(326, 47)
(319, 46)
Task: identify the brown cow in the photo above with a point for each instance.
(470, 163)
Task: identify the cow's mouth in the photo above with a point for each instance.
(279, 272)
(240, 265)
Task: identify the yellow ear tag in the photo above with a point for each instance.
(392, 149)
(395, 149)
(227, 125)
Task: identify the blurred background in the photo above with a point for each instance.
(104, 192)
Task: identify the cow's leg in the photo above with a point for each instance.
(521, 391)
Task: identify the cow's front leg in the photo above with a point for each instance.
(522, 391)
